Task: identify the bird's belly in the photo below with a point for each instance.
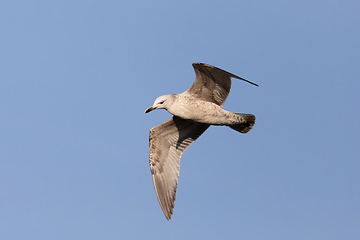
(201, 111)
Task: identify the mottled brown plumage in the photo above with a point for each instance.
(194, 111)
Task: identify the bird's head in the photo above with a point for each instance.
(162, 102)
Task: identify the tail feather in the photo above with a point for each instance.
(246, 124)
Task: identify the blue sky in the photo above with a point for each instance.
(76, 77)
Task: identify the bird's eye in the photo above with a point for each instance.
(161, 102)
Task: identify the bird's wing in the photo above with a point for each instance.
(167, 142)
(211, 83)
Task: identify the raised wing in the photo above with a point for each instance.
(167, 142)
(212, 84)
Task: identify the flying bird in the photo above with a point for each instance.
(193, 112)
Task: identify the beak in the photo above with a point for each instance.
(149, 109)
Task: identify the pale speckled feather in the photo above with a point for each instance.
(211, 83)
(194, 111)
(167, 143)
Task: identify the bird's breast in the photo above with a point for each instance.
(199, 111)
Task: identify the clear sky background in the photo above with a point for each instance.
(76, 77)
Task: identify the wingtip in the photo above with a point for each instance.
(167, 214)
(231, 75)
(166, 209)
(234, 76)
(253, 83)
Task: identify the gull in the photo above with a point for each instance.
(193, 112)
